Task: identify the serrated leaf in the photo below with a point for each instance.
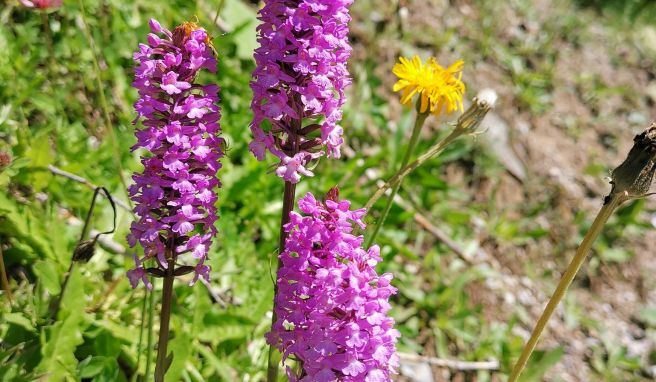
(59, 342)
(20, 320)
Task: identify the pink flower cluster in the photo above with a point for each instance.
(331, 305)
(299, 82)
(174, 196)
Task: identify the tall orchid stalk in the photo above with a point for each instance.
(298, 91)
(175, 194)
(439, 91)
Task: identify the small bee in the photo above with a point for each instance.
(182, 32)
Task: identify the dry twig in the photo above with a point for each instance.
(451, 363)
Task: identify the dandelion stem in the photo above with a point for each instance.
(414, 139)
(398, 177)
(165, 318)
(572, 269)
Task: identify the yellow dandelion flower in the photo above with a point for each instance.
(440, 90)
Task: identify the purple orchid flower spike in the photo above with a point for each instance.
(299, 82)
(332, 306)
(175, 194)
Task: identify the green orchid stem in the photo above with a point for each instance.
(163, 360)
(566, 280)
(287, 207)
(149, 340)
(414, 139)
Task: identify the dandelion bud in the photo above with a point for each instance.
(634, 176)
(175, 194)
(332, 306)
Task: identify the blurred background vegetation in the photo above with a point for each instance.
(576, 81)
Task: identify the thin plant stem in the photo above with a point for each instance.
(287, 207)
(3, 276)
(103, 103)
(165, 317)
(144, 305)
(219, 8)
(467, 124)
(566, 280)
(398, 177)
(49, 44)
(288, 198)
(83, 234)
(414, 139)
(149, 341)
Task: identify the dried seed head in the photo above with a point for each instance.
(634, 176)
(85, 250)
(473, 116)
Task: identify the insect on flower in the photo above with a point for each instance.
(185, 29)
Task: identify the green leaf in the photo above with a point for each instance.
(225, 326)
(20, 320)
(73, 301)
(47, 275)
(540, 362)
(92, 366)
(222, 368)
(243, 19)
(20, 222)
(40, 154)
(179, 347)
(59, 342)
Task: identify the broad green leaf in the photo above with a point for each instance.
(47, 275)
(242, 19)
(225, 371)
(93, 366)
(59, 342)
(73, 301)
(181, 350)
(20, 320)
(20, 222)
